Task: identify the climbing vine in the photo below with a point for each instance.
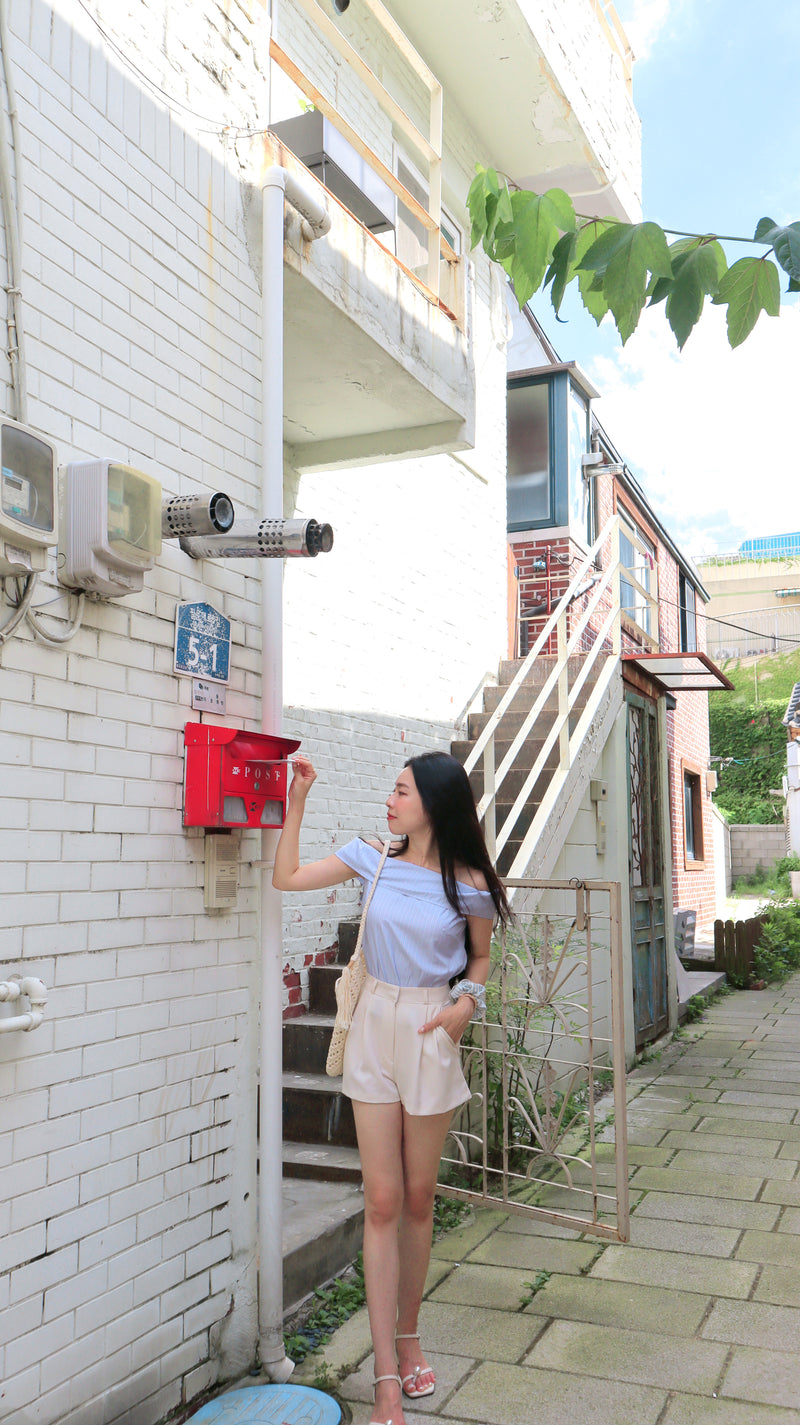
(541, 242)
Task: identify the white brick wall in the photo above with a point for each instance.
(127, 1147)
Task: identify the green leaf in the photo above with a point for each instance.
(600, 252)
(750, 287)
(561, 269)
(764, 229)
(536, 233)
(784, 241)
(590, 285)
(564, 211)
(643, 250)
(482, 201)
(698, 271)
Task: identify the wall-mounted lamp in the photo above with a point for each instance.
(594, 463)
(340, 6)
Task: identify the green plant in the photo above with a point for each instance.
(532, 1288)
(448, 1213)
(777, 954)
(696, 1007)
(336, 1303)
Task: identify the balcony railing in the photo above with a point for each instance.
(611, 26)
(427, 146)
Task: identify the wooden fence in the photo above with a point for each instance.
(734, 946)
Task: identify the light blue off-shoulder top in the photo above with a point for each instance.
(413, 936)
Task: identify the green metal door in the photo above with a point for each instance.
(646, 872)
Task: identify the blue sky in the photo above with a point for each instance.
(710, 433)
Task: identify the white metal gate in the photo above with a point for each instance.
(545, 1131)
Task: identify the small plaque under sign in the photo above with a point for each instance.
(208, 697)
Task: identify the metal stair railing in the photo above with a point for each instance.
(607, 636)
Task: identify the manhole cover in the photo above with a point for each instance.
(270, 1405)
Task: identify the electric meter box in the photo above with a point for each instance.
(234, 778)
(112, 527)
(27, 499)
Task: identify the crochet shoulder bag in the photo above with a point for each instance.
(349, 986)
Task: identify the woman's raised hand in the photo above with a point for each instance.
(303, 779)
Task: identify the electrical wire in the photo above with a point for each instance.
(48, 636)
(20, 610)
(213, 125)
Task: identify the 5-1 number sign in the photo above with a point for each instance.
(202, 643)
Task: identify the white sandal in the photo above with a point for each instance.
(376, 1382)
(418, 1371)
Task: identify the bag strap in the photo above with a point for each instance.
(385, 852)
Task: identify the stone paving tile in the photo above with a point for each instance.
(521, 1396)
(786, 1193)
(745, 1146)
(644, 1358)
(501, 1288)
(705, 1241)
(648, 1157)
(768, 1376)
(743, 1113)
(534, 1226)
(450, 1372)
(672, 1093)
(777, 1133)
(621, 1304)
(535, 1253)
(754, 1323)
(692, 1410)
(779, 1285)
(730, 1165)
(780, 1248)
(709, 1275)
(457, 1245)
(790, 1221)
(697, 1184)
(757, 1100)
(655, 1118)
(684, 1207)
(485, 1335)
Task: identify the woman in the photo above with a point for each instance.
(431, 917)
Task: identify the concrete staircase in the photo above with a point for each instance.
(323, 1201)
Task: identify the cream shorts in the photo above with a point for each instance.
(386, 1059)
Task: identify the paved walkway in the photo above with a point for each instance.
(697, 1320)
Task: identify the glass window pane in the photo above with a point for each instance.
(529, 454)
(688, 813)
(577, 445)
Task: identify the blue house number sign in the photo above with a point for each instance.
(202, 643)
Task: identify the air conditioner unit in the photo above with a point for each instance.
(314, 140)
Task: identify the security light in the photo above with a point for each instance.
(27, 499)
(340, 6)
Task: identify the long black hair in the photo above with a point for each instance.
(447, 797)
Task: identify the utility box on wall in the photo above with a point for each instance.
(234, 778)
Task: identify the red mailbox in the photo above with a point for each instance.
(234, 778)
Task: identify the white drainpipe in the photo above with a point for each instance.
(278, 185)
(35, 991)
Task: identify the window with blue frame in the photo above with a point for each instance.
(549, 431)
(688, 615)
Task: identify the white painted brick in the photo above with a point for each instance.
(62, 1365)
(16, 1248)
(80, 1156)
(35, 1277)
(107, 1244)
(83, 1287)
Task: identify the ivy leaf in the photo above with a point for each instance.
(561, 269)
(764, 227)
(785, 242)
(750, 287)
(536, 231)
(591, 286)
(482, 202)
(698, 271)
(643, 249)
(605, 246)
(564, 211)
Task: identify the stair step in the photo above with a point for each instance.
(322, 1161)
(321, 989)
(542, 667)
(316, 1111)
(323, 1229)
(305, 1042)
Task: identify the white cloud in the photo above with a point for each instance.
(711, 433)
(643, 22)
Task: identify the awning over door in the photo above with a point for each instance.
(680, 672)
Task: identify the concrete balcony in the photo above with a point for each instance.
(547, 90)
(375, 369)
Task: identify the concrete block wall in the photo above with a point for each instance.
(753, 846)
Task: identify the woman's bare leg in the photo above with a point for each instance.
(423, 1141)
(379, 1127)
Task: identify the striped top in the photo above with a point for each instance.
(413, 937)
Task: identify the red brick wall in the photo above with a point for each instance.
(687, 725)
